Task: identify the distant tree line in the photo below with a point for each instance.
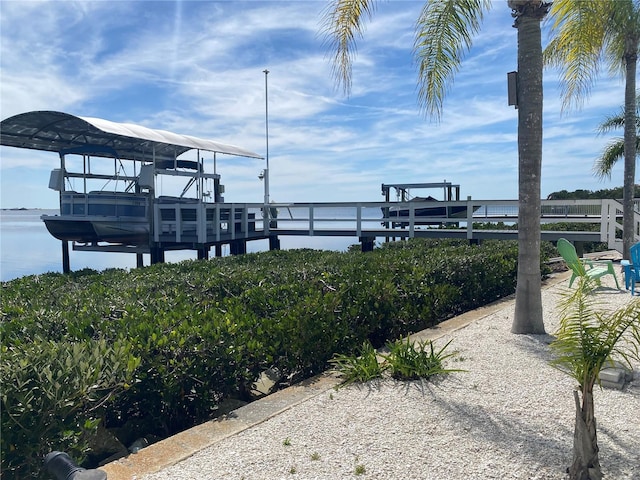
(607, 193)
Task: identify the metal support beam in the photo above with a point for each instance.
(66, 266)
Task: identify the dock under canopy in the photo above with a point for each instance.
(55, 131)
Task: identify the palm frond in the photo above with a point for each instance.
(613, 152)
(444, 34)
(342, 22)
(625, 339)
(589, 337)
(611, 122)
(578, 38)
(622, 33)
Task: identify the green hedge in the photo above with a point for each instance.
(161, 347)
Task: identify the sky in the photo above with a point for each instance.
(196, 68)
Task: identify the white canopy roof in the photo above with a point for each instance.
(56, 131)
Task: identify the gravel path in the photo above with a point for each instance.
(510, 416)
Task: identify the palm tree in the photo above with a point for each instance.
(444, 33)
(584, 345)
(614, 151)
(586, 35)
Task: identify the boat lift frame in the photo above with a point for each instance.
(155, 152)
(451, 191)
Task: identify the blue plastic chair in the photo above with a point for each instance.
(632, 268)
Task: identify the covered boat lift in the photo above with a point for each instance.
(132, 218)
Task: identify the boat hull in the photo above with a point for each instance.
(126, 232)
(70, 229)
(435, 212)
(111, 217)
(87, 230)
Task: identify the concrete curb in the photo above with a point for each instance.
(174, 449)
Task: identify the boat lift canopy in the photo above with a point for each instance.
(57, 131)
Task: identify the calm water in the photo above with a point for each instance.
(27, 248)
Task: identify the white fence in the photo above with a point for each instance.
(218, 222)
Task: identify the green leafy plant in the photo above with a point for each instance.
(54, 396)
(406, 360)
(360, 469)
(589, 339)
(409, 360)
(204, 331)
(361, 367)
(315, 456)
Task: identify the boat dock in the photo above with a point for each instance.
(113, 199)
(186, 227)
(365, 221)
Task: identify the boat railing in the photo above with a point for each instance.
(104, 204)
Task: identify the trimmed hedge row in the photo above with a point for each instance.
(161, 347)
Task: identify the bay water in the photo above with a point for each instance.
(27, 248)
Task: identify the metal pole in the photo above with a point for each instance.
(266, 117)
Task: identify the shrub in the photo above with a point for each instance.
(53, 397)
(405, 360)
(205, 330)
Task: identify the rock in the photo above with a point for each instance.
(267, 382)
(104, 445)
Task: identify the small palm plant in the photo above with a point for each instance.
(409, 360)
(587, 341)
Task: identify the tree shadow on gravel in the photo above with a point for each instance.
(630, 449)
(536, 345)
(506, 431)
(534, 441)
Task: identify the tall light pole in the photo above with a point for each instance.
(266, 117)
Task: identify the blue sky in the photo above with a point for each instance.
(197, 68)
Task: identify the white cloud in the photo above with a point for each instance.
(196, 68)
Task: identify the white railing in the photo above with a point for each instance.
(205, 222)
(217, 222)
(612, 223)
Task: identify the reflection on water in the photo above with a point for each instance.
(27, 248)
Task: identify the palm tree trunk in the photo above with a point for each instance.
(586, 464)
(528, 310)
(630, 132)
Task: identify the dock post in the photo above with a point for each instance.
(139, 260)
(66, 266)
(157, 255)
(274, 243)
(238, 247)
(367, 243)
